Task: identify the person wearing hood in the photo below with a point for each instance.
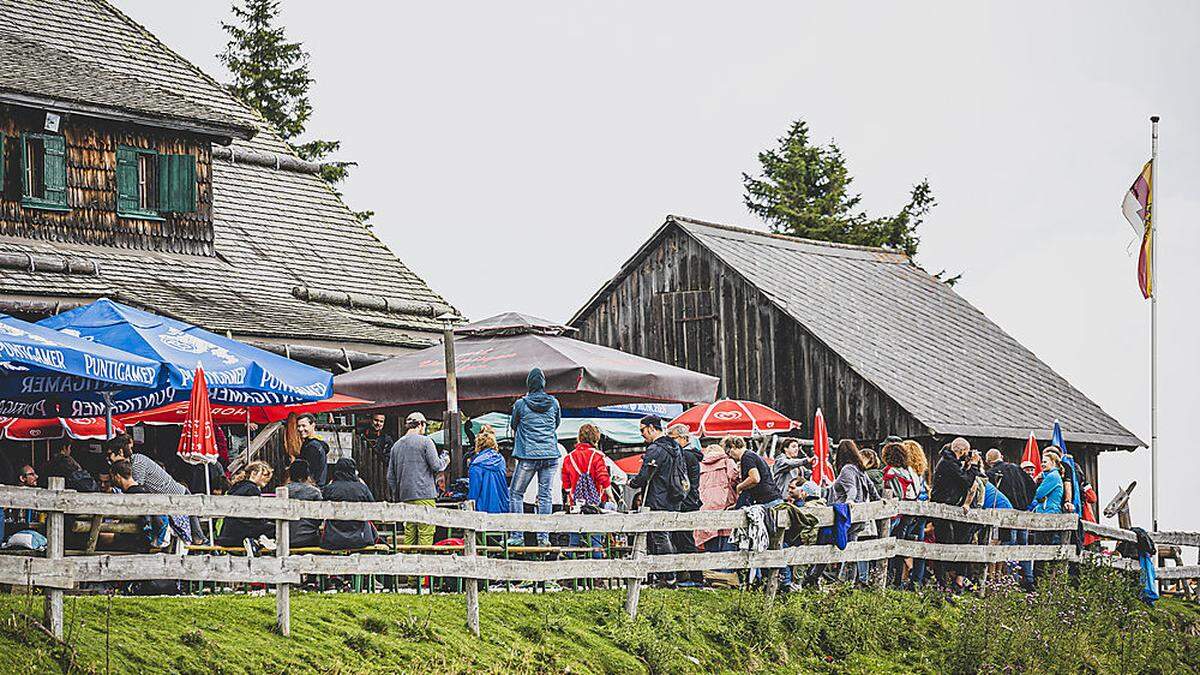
(341, 535)
(487, 484)
(718, 476)
(535, 419)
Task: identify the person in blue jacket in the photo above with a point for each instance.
(1048, 499)
(487, 484)
(535, 419)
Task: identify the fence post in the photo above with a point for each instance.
(283, 596)
(54, 551)
(774, 544)
(983, 578)
(634, 591)
(472, 584)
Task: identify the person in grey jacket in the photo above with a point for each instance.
(306, 531)
(790, 465)
(413, 466)
(535, 419)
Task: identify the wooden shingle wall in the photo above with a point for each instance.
(91, 149)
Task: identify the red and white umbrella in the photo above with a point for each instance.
(1032, 454)
(198, 439)
(177, 413)
(822, 467)
(729, 417)
(54, 428)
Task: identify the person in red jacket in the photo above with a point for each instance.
(584, 475)
(585, 479)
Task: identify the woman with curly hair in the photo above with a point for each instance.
(918, 467)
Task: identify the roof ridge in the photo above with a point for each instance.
(145, 32)
(785, 237)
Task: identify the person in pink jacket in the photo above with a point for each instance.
(718, 476)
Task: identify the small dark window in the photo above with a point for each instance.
(147, 182)
(35, 168)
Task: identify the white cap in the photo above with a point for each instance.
(415, 418)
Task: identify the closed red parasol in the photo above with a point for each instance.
(198, 440)
(822, 467)
(729, 417)
(1032, 454)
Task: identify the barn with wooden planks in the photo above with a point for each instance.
(864, 334)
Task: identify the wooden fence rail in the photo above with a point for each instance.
(56, 573)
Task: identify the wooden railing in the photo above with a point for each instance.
(54, 572)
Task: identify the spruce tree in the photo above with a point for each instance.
(270, 74)
(804, 190)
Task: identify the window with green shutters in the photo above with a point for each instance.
(44, 171)
(149, 183)
(137, 189)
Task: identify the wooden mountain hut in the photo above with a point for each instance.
(127, 172)
(864, 334)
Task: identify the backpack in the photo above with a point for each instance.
(678, 485)
(585, 490)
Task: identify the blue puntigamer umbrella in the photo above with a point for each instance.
(44, 373)
(236, 372)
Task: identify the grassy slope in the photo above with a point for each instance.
(841, 631)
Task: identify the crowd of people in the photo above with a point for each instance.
(677, 473)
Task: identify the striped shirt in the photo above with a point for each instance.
(150, 474)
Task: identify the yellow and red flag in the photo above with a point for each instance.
(1137, 208)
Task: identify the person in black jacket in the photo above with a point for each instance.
(684, 541)
(313, 449)
(248, 482)
(953, 477)
(657, 464)
(343, 535)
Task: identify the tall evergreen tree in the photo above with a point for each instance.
(804, 190)
(270, 74)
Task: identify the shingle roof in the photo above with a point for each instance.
(274, 229)
(912, 336)
(34, 70)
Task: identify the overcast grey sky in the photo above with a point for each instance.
(517, 153)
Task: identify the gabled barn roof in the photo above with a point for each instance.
(913, 337)
(291, 260)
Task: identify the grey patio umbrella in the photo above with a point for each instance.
(493, 357)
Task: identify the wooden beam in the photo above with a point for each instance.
(54, 554)
(472, 584)
(633, 592)
(283, 596)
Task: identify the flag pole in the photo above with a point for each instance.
(1153, 323)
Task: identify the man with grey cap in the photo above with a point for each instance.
(413, 466)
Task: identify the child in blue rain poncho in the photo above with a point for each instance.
(488, 480)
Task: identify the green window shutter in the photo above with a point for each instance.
(55, 170)
(127, 181)
(177, 183)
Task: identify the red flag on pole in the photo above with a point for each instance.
(1032, 454)
(822, 467)
(197, 439)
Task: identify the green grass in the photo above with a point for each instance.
(1095, 625)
